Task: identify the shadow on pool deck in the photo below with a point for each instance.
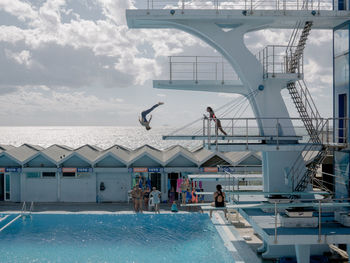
(82, 207)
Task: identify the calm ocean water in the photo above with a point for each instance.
(102, 136)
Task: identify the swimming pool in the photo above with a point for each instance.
(113, 238)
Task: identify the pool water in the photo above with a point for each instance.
(113, 238)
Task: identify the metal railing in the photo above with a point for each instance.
(246, 130)
(198, 68)
(247, 5)
(276, 59)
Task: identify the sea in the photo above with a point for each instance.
(101, 136)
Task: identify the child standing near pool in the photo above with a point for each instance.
(174, 207)
(155, 195)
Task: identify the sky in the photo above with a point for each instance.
(75, 62)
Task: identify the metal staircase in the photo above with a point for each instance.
(311, 171)
(308, 113)
(306, 108)
(296, 54)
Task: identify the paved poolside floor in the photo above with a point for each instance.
(83, 207)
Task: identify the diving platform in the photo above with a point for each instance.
(254, 20)
(243, 134)
(233, 138)
(228, 86)
(259, 147)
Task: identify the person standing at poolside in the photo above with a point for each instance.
(216, 120)
(155, 195)
(146, 194)
(183, 191)
(219, 199)
(133, 197)
(138, 199)
(143, 120)
(172, 195)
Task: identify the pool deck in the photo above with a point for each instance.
(234, 241)
(8, 207)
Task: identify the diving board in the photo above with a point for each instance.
(228, 86)
(284, 205)
(267, 193)
(224, 177)
(230, 137)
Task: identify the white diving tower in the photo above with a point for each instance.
(223, 25)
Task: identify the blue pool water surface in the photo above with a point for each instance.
(113, 238)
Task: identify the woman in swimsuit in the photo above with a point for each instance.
(217, 121)
(219, 199)
(146, 197)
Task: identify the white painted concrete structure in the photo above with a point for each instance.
(208, 25)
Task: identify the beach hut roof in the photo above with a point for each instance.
(23, 152)
(151, 152)
(120, 153)
(171, 153)
(57, 152)
(89, 152)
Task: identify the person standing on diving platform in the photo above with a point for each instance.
(217, 122)
(143, 120)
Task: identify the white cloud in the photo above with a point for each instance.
(47, 50)
(109, 38)
(22, 58)
(22, 10)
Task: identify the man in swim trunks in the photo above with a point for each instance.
(183, 188)
(143, 120)
(138, 199)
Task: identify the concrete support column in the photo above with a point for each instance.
(274, 177)
(302, 253)
(58, 174)
(164, 183)
(97, 188)
(23, 186)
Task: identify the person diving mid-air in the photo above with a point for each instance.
(143, 120)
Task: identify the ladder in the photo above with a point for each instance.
(307, 111)
(26, 212)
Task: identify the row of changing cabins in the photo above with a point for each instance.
(91, 174)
